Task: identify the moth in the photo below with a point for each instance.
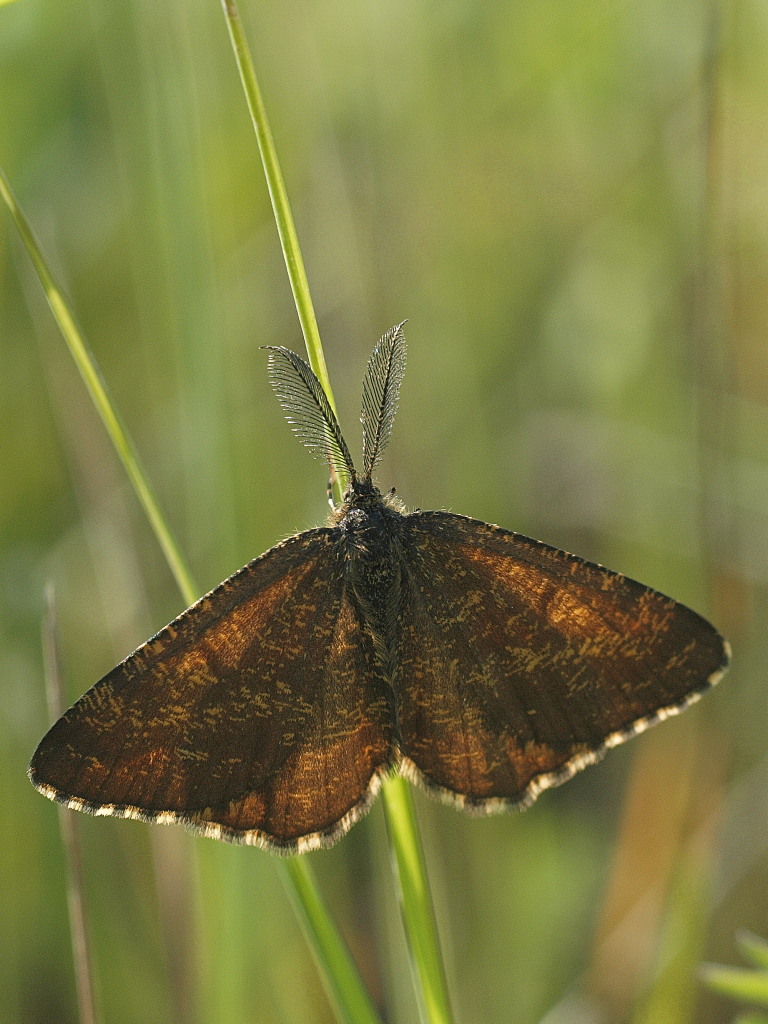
(481, 664)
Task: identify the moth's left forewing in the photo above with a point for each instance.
(257, 716)
(521, 664)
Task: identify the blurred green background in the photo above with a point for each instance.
(570, 204)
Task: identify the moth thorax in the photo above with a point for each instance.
(368, 532)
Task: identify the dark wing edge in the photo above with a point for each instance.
(549, 780)
(211, 830)
(480, 807)
(195, 823)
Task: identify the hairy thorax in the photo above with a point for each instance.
(372, 535)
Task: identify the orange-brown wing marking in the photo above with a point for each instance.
(257, 716)
(520, 664)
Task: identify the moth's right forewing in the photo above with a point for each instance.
(520, 664)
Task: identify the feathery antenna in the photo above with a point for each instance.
(381, 390)
(307, 408)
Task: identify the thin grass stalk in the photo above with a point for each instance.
(709, 350)
(341, 978)
(415, 898)
(97, 389)
(343, 985)
(416, 902)
(78, 923)
(286, 229)
(342, 981)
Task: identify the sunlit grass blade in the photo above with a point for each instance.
(748, 985)
(738, 982)
(286, 228)
(343, 986)
(100, 396)
(753, 948)
(416, 902)
(416, 905)
(78, 924)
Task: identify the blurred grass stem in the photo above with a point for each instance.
(286, 229)
(416, 902)
(343, 984)
(101, 399)
(78, 924)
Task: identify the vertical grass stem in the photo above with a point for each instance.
(100, 396)
(78, 924)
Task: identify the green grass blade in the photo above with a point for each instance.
(753, 948)
(97, 389)
(343, 985)
(403, 831)
(70, 837)
(738, 982)
(416, 902)
(286, 229)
